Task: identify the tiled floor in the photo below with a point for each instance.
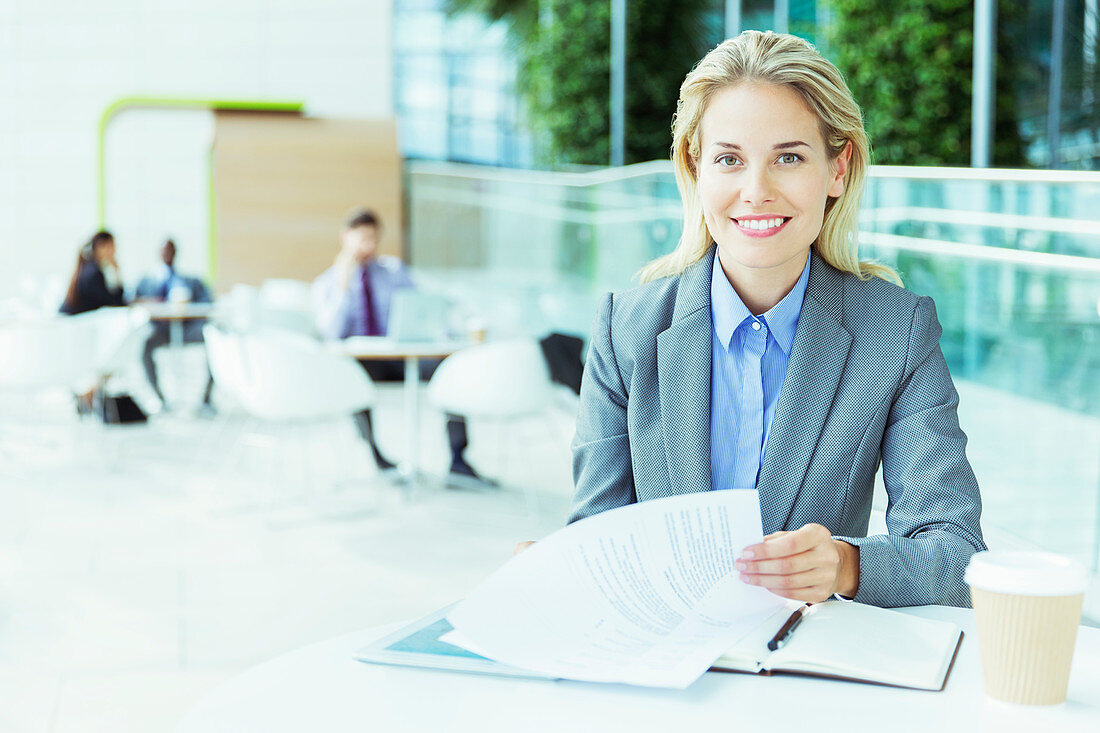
(140, 567)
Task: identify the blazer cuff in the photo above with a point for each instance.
(875, 581)
(900, 571)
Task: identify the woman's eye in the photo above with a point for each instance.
(726, 160)
(789, 158)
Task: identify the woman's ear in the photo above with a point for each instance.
(840, 170)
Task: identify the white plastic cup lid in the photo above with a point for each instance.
(1026, 573)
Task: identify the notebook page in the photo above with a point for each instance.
(866, 642)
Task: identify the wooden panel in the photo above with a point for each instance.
(284, 186)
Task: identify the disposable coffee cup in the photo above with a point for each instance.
(476, 330)
(1027, 606)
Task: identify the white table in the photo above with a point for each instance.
(175, 314)
(321, 688)
(380, 348)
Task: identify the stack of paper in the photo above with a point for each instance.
(646, 594)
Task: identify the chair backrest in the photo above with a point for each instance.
(294, 377)
(120, 336)
(504, 379)
(286, 305)
(286, 294)
(239, 307)
(228, 363)
(54, 352)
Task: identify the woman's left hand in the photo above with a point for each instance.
(804, 565)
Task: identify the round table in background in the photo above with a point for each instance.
(381, 348)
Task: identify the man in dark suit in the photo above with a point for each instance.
(163, 285)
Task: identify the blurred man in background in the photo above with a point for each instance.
(163, 285)
(353, 298)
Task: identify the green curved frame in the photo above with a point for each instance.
(172, 103)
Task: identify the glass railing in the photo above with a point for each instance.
(1012, 259)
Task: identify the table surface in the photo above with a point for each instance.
(321, 688)
(166, 311)
(381, 347)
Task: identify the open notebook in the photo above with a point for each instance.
(849, 641)
(852, 641)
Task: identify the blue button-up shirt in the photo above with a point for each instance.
(749, 361)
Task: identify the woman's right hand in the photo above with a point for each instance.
(521, 546)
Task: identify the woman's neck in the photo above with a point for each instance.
(760, 289)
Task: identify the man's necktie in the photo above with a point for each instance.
(368, 305)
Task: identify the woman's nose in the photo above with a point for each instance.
(758, 187)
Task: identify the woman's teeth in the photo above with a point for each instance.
(761, 223)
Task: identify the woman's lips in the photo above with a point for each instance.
(761, 227)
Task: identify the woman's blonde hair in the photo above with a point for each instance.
(771, 58)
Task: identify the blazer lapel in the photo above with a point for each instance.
(818, 356)
(683, 375)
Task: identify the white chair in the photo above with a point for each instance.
(287, 381)
(225, 355)
(506, 379)
(292, 377)
(238, 308)
(287, 305)
(121, 334)
(57, 352)
(287, 294)
(498, 381)
(42, 363)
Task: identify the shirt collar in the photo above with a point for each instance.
(730, 312)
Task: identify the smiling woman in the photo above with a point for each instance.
(763, 354)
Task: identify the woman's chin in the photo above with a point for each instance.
(758, 261)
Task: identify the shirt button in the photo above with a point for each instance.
(756, 325)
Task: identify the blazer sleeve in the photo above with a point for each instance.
(93, 292)
(602, 471)
(934, 507)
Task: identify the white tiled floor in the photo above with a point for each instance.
(140, 567)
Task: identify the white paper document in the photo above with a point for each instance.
(646, 594)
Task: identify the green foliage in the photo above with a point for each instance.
(909, 65)
(565, 71)
(566, 77)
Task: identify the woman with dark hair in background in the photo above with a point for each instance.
(95, 282)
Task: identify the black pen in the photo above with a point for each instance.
(780, 637)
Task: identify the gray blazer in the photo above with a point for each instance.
(866, 382)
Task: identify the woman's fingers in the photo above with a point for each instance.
(802, 580)
(819, 556)
(801, 565)
(521, 546)
(783, 544)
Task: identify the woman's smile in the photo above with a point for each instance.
(761, 225)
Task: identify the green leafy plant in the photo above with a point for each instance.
(563, 47)
(909, 65)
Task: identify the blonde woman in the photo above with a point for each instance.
(762, 353)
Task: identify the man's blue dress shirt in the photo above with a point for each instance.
(749, 360)
(341, 312)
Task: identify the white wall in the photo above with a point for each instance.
(63, 61)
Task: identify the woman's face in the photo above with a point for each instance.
(764, 177)
(105, 251)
